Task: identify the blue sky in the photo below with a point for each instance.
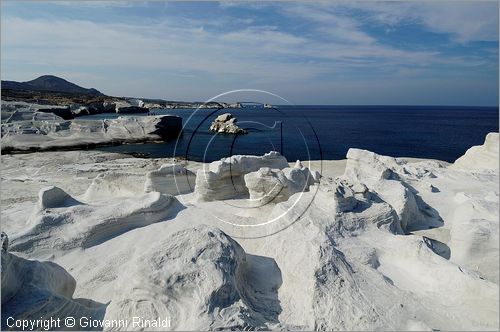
(414, 53)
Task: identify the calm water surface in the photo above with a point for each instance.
(327, 132)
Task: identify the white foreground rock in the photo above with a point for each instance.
(170, 179)
(60, 221)
(224, 179)
(391, 244)
(208, 290)
(391, 179)
(34, 291)
(275, 185)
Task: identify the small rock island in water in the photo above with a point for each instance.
(226, 123)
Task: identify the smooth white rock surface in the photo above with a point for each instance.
(27, 129)
(224, 179)
(392, 243)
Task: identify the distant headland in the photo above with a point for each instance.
(53, 90)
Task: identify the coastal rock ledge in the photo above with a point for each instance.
(226, 123)
(27, 130)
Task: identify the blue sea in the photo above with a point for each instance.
(327, 132)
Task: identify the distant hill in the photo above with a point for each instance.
(49, 83)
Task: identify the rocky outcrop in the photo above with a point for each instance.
(481, 157)
(200, 267)
(127, 106)
(390, 179)
(132, 109)
(114, 184)
(51, 197)
(94, 107)
(36, 291)
(474, 237)
(22, 120)
(171, 179)
(224, 179)
(275, 185)
(226, 124)
(70, 223)
(25, 129)
(63, 112)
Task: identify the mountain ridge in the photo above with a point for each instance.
(50, 83)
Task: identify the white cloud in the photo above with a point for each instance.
(260, 55)
(253, 52)
(466, 21)
(330, 24)
(97, 3)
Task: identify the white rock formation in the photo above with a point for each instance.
(226, 123)
(481, 157)
(267, 184)
(386, 177)
(334, 256)
(170, 179)
(223, 179)
(60, 221)
(114, 185)
(36, 291)
(136, 102)
(28, 130)
(474, 237)
(391, 244)
(17, 121)
(197, 277)
(122, 103)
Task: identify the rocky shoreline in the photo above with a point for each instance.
(253, 242)
(70, 105)
(26, 127)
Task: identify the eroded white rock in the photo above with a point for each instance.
(33, 290)
(196, 277)
(85, 225)
(171, 179)
(334, 258)
(481, 157)
(390, 179)
(266, 184)
(223, 179)
(36, 132)
(474, 235)
(113, 185)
